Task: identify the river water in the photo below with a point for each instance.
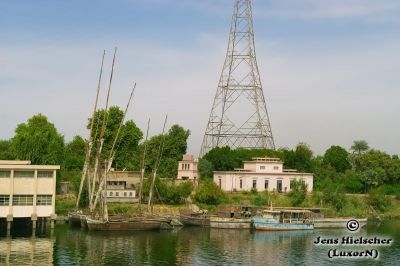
(194, 246)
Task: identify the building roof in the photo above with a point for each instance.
(14, 162)
(29, 167)
(264, 160)
(261, 173)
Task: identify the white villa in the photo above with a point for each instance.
(187, 168)
(261, 174)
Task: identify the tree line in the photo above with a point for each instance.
(39, 141)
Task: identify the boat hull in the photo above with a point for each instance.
(230, 223)
(325, 223)
(262, 224)
(124, 225)
(74, 219)
(194, 221)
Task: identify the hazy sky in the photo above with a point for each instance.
(330, 68)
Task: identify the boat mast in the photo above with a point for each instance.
(143, 167)
(113, 148)
(101, 137)
(160, 150)
(89, 144)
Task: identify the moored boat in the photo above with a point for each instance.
(283, 220)
(325, 223)
(74, 218)
(230, 223)
(126, 223)
(194, 218)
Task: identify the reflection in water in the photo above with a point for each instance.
(188, 246)
(26, 251)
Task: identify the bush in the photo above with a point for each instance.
(259, 200)
(209, 193)
(298, 192)
(378, 200)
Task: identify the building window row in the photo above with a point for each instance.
(5, 174)
(111, 194)
(185, 166)
(48, 174)
(26, 174)
(4, 200)
(22, 200)
(44, 199)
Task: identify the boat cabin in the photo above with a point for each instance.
(287, 216)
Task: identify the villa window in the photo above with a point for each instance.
(279, 185)
(240, 183)
(262, 167)
(220, 182)
(130, 194)
(125, 194)
(111, 194)
(255, 184)
(117, 194)
(266, 184)
(276, 167)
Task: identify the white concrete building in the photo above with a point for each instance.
(27, 191)
(261, 174)
(187, 168)
(121, 186)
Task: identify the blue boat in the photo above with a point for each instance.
(283, 220)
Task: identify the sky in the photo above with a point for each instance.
(330, 69)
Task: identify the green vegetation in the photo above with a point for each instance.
(372, 173)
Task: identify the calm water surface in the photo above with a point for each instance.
(191, 246)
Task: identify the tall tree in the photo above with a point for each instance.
(75, 154)
(359, 146)
(38, 141)
(6, 150)
(338, 158)
(128, 140)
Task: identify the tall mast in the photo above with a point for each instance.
(89, 144)
(143, 167)
(100, 141)
(158, 160)
(111, 156)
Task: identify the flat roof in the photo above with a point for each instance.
(29, 167)
(261, 173)
(264, 160)
(14, 162)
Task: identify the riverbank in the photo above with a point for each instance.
(354, 205)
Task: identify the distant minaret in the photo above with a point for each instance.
(239, 116)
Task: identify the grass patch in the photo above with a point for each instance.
(64, 204)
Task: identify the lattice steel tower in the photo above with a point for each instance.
(239, 116)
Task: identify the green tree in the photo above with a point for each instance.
(205, 169)
(298, 192)
(359, 146)
(38, 141)
(127, 143)
(221, 158)
(337, 157)
(75, 154)
(6, 150)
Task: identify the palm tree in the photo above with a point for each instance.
(359, 146)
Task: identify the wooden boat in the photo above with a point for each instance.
(194, 218)
(74, 219)
(127, 223)
(283, 220)
(322, 223)
(230, 223)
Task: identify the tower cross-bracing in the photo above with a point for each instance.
(239, 116)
